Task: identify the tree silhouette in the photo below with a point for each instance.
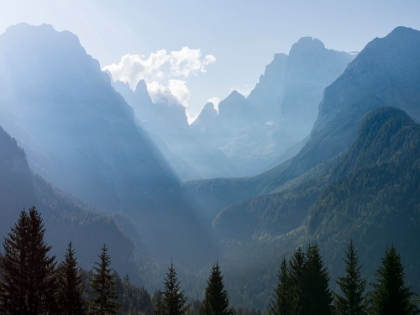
(216, 300)
(70, 285)
(103, 289)
(173, 301)
(29, 276)
(352, 285)
(317, 295)
(281, 304)
(297, 265)
(390, 294)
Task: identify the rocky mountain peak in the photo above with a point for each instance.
(207, 117)
(308, 45)
(235, 95)
(141, 93)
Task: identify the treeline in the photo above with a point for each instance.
(33, 283)
(303, 287)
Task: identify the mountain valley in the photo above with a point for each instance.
(325, 149)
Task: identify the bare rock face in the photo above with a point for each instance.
(77, 131)
(385, 73)
(80, 134)
(310, 69)
(268, 93)
(206, 118)
(259, 131)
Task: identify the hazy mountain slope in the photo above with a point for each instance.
(349, 98)
(66, 219)
(386, 72)
(310, 69)
(269, 91)
(157, 118)
(205, 119)
(189, 156)
(80, 135)
(376, 199)
(257, 131)
(370, 194)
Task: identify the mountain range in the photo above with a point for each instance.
(247, 135)
(340, 132)
(80, 135)
(355, 175)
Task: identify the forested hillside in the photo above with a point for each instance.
(66, 218)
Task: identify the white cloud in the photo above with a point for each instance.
(186, 61)
(176, 92)
(162, 72)
(133, 68)
(180, 91)
(215, 100)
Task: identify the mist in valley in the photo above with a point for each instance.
(201, 154)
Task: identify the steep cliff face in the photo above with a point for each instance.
(385, 73)
(267, 95)
(66, 219)
(206, 118)
(78, 132)
(261, 130)
(157, 118)
(81, 136)
(310, 69)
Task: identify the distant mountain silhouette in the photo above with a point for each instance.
(80, 135)
(206, 118)
(279, 113)
(66, 218)
(386, 72)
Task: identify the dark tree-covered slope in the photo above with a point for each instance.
(376, 196)
(66, 218)
(385, 72)
(371, 194)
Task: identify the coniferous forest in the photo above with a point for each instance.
(34, 282)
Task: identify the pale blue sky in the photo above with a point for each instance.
(242, 35)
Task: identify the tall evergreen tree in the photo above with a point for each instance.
(173, 301)
(103, 289)
(70, 285)
(390, 294)
(317, 295)
(281, 304)
(29, 272)
(216, 301)
(352, 285)
(297, 265)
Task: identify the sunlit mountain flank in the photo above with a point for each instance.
(210, 158)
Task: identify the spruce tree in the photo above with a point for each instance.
(103, 288)
(29, 273)
(173, 301)
(297, 265)
(352, 285)
(390, 294)
(70, 285)
(281, 304)
(317, 295)
(216, 301)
